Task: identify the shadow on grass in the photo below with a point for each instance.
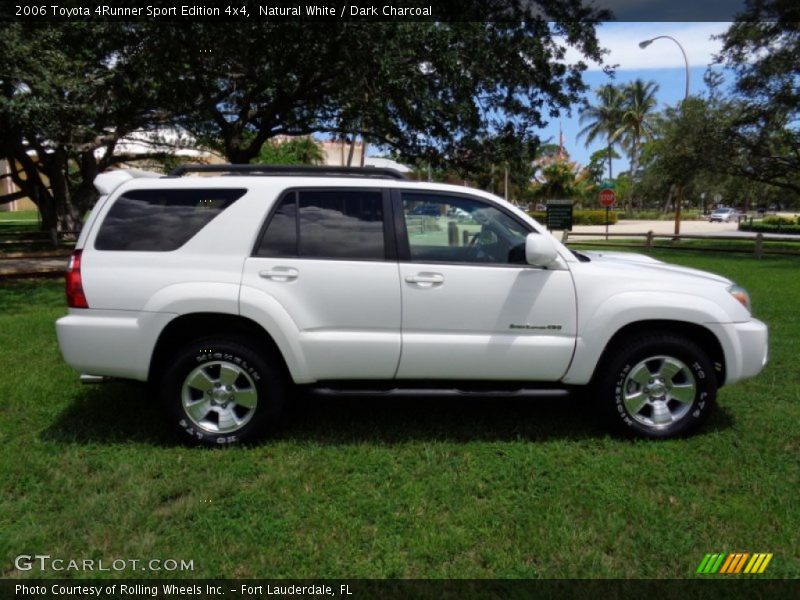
(123, 413)
(117, 412)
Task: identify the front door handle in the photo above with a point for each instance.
(280, 274)
(426, 279)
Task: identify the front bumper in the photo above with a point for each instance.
(745, 346)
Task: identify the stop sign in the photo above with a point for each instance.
(607, 197)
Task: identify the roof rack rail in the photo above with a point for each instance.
(278, 170)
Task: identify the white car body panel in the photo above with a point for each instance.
(346, 314)
(110, 342)
(467, 320)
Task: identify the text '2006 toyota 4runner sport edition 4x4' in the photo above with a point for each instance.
(224, 291)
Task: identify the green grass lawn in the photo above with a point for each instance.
(399, 488)
(20, 216)
(20, 234)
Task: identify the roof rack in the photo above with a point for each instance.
(278, 170)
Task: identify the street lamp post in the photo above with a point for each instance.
(644, 44)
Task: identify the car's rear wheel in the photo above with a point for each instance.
(222, 392)
(658, 386)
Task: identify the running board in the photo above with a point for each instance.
(446, 393)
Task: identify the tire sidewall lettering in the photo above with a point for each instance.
(244, 357)
(700, 404)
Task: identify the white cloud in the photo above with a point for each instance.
(622, 39)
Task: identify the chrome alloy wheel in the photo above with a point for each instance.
(659, 391)
(219, 397)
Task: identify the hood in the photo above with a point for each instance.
(649, 264)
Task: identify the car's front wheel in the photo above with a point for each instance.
(658, 386)
(221, 392)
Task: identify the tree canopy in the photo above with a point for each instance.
(427, 90)
(466, 95)
(763, 50)
(68, 94)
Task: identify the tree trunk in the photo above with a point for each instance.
(47, 211)
(351, 151)
(56, 168)
(363, 151)
(610, 168)
(668, 201)
(634, 168)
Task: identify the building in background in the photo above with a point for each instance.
(7, 187)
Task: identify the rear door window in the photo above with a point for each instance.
(332, 224)
(161, 220)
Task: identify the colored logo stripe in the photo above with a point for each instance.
(711, 563)
(734, 563)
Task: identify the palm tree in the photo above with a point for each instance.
(604, 119)
(637, 120)
(309, 151)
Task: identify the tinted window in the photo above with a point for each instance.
(443, 228)
(161, 220)
(343, 224)
(280, 238)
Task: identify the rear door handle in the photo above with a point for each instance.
(280, 274)
(426, 279)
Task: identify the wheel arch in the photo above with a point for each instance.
(194, 326)
(700, 335)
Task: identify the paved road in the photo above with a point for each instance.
(691, 227)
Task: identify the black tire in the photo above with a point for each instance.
(685, 398)
(236, 371)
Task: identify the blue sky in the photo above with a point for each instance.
(661, 62)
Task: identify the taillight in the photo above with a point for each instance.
(75, 296)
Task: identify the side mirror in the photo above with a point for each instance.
(539, 250)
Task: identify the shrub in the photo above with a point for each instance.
(780, 225)
(782, 221)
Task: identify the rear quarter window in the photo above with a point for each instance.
(161, 220)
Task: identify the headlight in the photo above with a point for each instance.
(741, 295)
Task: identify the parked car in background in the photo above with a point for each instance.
(425, 210)
(724, 215)
(458, 213)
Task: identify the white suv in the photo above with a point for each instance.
(225, 290)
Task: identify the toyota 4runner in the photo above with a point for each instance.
(225, 290)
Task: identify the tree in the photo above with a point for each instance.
(763, 49)
(691, 150)
(687, 145)
(298, 151)
(637, 123)
(604, 119)
(68, 93)
(596, 167)
(464, 94)
(425, 90)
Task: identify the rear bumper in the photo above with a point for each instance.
(110, 343)
(746, 348)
